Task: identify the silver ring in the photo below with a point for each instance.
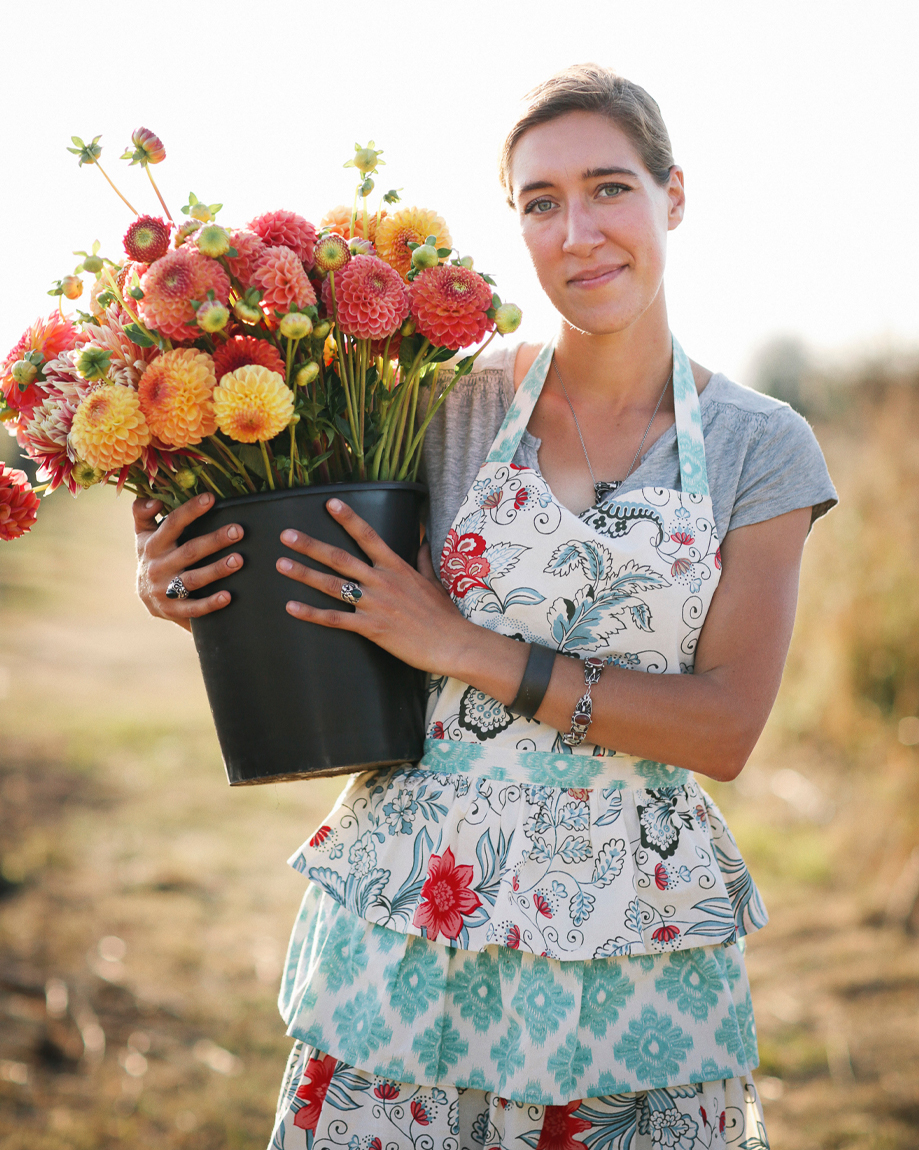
(351, 592)
(177, 589)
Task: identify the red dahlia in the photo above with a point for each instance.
(450, 304)
(18, 503)
(147, 239)
(286, 230)
(370, 298)
(246, 350)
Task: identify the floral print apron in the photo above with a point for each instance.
(515, 937)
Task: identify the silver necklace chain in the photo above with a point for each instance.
(602, 487)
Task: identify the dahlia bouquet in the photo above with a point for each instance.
(244, 359)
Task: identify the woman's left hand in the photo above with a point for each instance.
(407, 612)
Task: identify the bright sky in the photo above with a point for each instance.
(796, 124)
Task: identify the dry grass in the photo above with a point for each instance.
(132, 875)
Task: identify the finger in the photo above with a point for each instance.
(145, 513)
(339, 620)
(199, 577)
(335, 558)
(330, 585)
(194, 608)
(362, 533)
(176, 521)
(189, 553)
(425, 566)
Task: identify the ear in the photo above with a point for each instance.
(676, 195)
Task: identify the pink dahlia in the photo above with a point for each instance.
(250, 249)
(45, 439)
(286, 230)
(128, 361)
(284, 283)
(370, 298)
(450, 304)
(147, 239)
(49, 336)
(172, 283)
(245, 351)
(18, 503)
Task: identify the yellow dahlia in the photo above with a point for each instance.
(410, 225)
(176, 396)
(109, 430)
(252, 404)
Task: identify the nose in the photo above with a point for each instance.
(582, 235)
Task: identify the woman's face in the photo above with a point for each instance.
(594, 220)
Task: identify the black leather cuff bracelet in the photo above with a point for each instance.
(535, 681)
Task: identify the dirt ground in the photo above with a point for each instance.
(144, 905)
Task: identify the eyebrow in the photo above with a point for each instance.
(590, 174)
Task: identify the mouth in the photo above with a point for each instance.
(596, 277)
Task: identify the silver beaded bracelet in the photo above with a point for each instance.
(583, 709)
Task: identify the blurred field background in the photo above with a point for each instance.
(144, 906)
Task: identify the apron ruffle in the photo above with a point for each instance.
(409, 1010)
(571, 873)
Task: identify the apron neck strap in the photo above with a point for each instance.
(691, 446)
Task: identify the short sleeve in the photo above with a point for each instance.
(783, 470)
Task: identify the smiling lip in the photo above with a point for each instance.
(596, 278)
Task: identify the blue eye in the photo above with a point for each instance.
(613, 191)
(538, 207)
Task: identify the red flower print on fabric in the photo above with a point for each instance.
(683, 538)
(542, 905)
(520, 498)
(462, 563)
(680, 567)
(312, 1090)
(386, 1090)
(448, 897)
(513, 937)
(582, 794)
(420, 1114)
(665, 933)
(437, 730)
(320, 836)
(558, 1127)
(718, 559)
(661, 880)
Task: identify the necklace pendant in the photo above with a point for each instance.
(606, 487)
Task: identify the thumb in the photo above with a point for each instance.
(145, 513)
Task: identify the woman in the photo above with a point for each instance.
(534, 938)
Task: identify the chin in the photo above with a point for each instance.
(608, 321)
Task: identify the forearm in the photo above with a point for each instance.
(698, 722)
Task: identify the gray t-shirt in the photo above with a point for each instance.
(762, 456)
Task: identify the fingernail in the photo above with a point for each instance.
(233, 533)
(293, 607)
(204, 500)
(233, 561)
(334, 505)
(288, 537)
(152, 503)
(284, 565)
(222, 598)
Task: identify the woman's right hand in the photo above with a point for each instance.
(160, 559)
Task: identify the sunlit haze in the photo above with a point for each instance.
(795, 124)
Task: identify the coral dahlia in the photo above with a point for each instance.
(176, 397)
(286, 230)
(370, 297)
(450, 304)
(170, 285)
(249, 250)
(410, 225)
(284, 284)
(18, 503)
(147, 239)
(49, 336)
(243, 350)
(338, 220)
(252, 404)
(109, 430)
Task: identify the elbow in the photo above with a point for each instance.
(725, 755)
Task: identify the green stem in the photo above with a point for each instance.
(156, 189)
(213, 462)
(114, 189)
(291, 351)
(237, 463)
(268, 467)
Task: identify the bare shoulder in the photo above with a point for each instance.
(701, 375)
(526, 354)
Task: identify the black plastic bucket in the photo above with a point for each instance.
(292, 699)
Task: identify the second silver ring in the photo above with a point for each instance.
(351, 593)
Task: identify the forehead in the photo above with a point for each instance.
(563, 149)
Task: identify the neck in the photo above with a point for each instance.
(623, 367)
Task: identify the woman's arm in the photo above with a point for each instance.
(707, 722)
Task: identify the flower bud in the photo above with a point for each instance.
(367, 187)
(507, 318)
(212, 316)
(72, 286)
(296, 325)
(24, 372)
(321, 330)
(331, 253)
(425, 256)
(408, 328)
(467, 262)
(306, 374)
(185, 229)
(247, 312)
(93, 363)
(148, 148)
(201, 212)
(365, 159)
(85, 476)
(93, 264)
(186, 479)
(361, 247)
(213, 241)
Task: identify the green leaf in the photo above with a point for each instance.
(79, 143)
(444, 252)
(231, 253)
(136, 335)
(495, 301)
(251, 456)
(431, 241)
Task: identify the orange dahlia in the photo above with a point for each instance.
(409, 226)
(109, 430)
(176, 397)
(243, 350)
(286, 230)
(370, 297)
(49, 336)
(249, 249)
(18, 503)
(170, 285)
(284, 284)
(252, 404)
(147, 239)
(339, 220)
(449, 305)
